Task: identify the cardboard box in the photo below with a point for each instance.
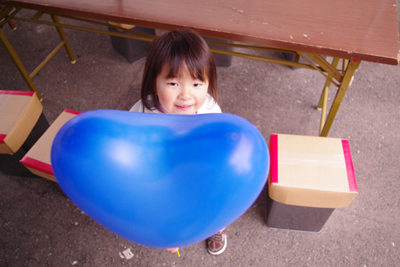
(21, 124)
(19, 112)
(309, 178)
(38, 160)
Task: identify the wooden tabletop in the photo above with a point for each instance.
(359, 29)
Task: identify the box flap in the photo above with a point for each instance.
(19, 113)
(311, 171)
(38, 160)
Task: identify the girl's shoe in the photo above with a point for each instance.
(217, 243)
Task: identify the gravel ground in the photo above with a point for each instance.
(39, 226)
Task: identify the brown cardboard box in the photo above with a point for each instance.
(37, 160)
(309, 176)
(19, 112)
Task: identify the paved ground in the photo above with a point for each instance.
(40, 227)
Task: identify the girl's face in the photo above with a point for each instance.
(182, 94)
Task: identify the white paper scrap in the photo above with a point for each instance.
(128, 253)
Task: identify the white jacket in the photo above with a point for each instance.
(209, 106)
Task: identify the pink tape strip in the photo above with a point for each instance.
(10, 92)
(273, 150)
(37, 165)
(349, 166)
(72, 111)
(2, 137)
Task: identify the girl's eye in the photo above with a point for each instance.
(197, 84)
(173, 84)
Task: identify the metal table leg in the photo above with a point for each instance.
(17, 62)
(347, 77)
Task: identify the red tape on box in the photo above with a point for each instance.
(10, 92)
(274, 158)
(349, 166)
(37, 165)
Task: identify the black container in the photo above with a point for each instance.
(132, 50)
(292, 57)
(290, 217)
(220, 59)
(10, 165)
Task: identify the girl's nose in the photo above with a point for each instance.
(186, 93)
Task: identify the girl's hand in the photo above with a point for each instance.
(173, 250)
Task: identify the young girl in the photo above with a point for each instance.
(180, 77)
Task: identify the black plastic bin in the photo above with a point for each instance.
(290, 217)
(220, 59)
(132, 50)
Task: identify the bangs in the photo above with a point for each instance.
(196, 71)
(191, 56)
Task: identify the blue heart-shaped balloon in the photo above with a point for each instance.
(161, 180)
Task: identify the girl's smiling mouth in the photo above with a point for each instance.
(184, 107)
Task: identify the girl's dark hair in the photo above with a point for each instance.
(178, 48)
